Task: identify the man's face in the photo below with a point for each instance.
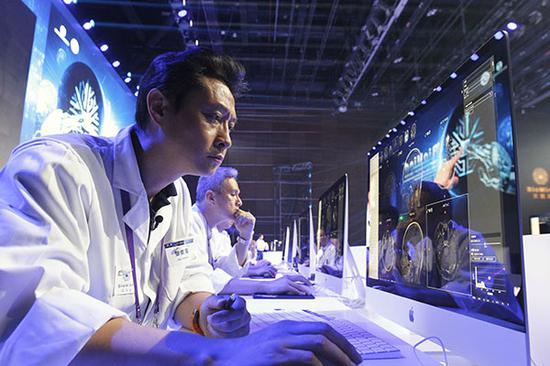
(227, 199)
(198, 133)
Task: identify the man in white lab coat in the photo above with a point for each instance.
(96, 256)
(218, 206)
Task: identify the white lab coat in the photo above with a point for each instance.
(64, 262)
(224, 257)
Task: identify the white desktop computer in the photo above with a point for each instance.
(332, 236)
(445, 252)
(306, 243)
(286, 240)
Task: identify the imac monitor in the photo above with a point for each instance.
(303, 238)
(445, 246)
(332, 235)
(306, 240)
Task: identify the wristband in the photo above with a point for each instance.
(196, 324)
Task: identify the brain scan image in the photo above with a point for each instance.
(387, 253)
(79, 104)
(412, 254)
(446, 250)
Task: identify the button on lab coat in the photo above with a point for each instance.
(64, 261)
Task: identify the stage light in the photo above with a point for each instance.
(512, 26)
(403, 123)
(394, 129)
(190, 23)
(379, 143)
(182, 13)
(343, 108)
(116, 63)
(416, 78)
(411, 113)
(453, 75)
(387, 135)
(104, 47)
(499, 35)
(196, 42)
(89, 24)
(423, 102)
(438, 89)
(127, 80)
(136, 93)
(474, 57)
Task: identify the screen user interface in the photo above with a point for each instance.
(443, 211)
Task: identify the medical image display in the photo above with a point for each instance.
(330, 233)
(71, 87)
(447, 208)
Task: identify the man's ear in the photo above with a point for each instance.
(210, 197)
(157, 105)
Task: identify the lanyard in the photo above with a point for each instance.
(130, 241)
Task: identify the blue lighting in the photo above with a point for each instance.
(116, 63)
(411, 113)
(127, 80)
(182, 13)
(499, 35)
(403, 123)
(453, 75)
(423, 102)
(104, 47)
(474, 57)
(394, 129)
(438, 89)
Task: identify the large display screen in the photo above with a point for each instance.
(71, 86)
(330, 231)
(443, 197)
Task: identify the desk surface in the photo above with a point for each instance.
(329, 304)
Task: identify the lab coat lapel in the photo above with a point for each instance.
(126, 177)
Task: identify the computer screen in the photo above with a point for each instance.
(331, 229)
(443, 197)
(303, 238)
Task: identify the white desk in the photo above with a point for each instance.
(330, 305)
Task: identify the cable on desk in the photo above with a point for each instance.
(439, 341)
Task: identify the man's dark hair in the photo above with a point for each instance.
(175, 74)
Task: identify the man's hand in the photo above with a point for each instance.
(262, 268)
(291, 343)
(446, 177)
(221, 319)
(244, 222)
(291, 284)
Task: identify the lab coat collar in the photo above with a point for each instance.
(208, 229)
(126, 177)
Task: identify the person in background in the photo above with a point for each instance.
(218, 206)
(327, 252)
(262, 246)
(96, 256)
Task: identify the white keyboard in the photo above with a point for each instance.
(369, 346)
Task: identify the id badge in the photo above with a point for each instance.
(124, 283)
(180, 251)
